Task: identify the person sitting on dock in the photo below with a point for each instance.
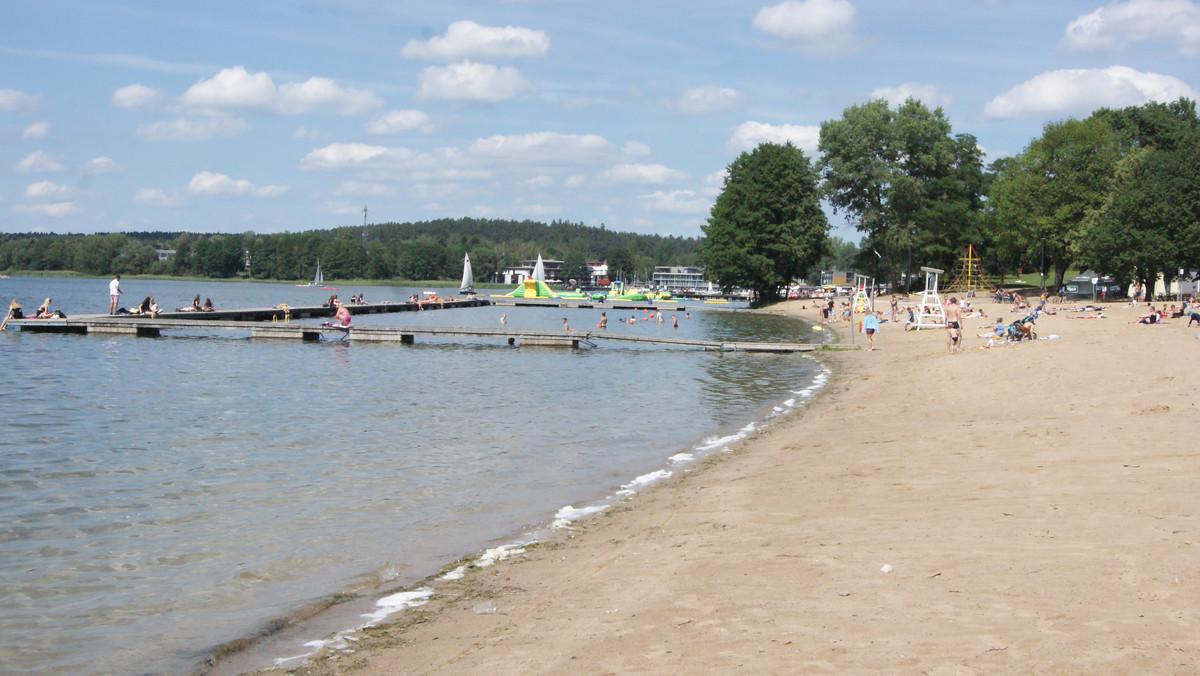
(194, 307)
(14, 312)
(208, 306)
(341, 317)
(43, 311)
(149, 307)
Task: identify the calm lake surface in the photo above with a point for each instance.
(161, 496)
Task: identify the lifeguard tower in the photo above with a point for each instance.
(862, 300)
(931, 314)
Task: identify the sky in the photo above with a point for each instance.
(282, 115)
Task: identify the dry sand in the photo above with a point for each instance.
(1037, 505)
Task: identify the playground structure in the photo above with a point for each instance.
(968, 275)
(930, 314)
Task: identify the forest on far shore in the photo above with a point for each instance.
(387, 251)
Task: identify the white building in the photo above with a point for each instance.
(676, 278)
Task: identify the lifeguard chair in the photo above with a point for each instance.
(931, 314)
(862, 300)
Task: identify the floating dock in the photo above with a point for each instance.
(148, 327)
(282, 313)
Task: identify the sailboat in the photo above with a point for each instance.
(319, 280)
(468, 280)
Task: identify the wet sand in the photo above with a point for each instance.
(1035, 504)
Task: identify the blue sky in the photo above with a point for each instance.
(215, 116)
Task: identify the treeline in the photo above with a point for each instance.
(412, 251)
(1118, 192)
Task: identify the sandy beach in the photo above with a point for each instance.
(1028, 509)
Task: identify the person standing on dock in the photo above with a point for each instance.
(114, 294)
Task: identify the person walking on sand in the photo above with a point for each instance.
(114, 294)
(870, 326)
(953, 324)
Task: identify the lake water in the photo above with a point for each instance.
(162, 496)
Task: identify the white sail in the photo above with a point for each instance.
(468, 280)
(539, 270)
(318, 279)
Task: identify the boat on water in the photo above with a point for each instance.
(468, 279)
(319, 281)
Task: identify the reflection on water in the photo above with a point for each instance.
(161, 496)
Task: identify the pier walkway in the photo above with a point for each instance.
(147, 327)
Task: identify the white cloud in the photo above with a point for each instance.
(708, 99)
(46, 190)
(749, 135)
(643, 173)
(36, 130)
(1118, 24)
(185, 129)
(13, 101)
(363, 189)
(927, 94)
(38, 162)
(469, 40)
(235, 89)
(541, 181)
(99, 165)
(56, 209)
(677, 202)
(575, 181)
(306, 132)
(157, 197)
(399, 122)
(470, 81)
(1080, 91)
(208, 183)
(816, 26)
(548, 147)
(345, 155)
(136, 97)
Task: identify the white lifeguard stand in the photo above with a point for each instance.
(935, 316)
(862, 301)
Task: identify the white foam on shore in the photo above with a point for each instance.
(343, 640)
(500, 553)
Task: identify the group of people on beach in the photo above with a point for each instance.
(1189, 310)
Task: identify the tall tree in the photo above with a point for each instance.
(766, 227)
(1149, 222)
(1041, 198)
(913, 188)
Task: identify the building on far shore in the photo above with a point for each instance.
(677, 279)
(517, 274)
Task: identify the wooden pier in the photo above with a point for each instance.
(285, 313)
(148, 327)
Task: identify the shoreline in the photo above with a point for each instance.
(325, 624)
(1026, 508)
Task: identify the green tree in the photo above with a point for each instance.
(97, 254)
(1041, 198)
(913, 189)
(1150, 219)
(766, 227)
(575, 267)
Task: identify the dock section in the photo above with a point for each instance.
(147, 327)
